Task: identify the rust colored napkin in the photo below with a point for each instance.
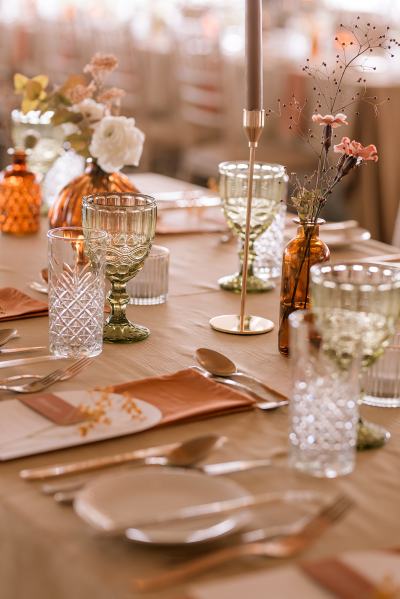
(339, 578)
(186, 395)
(16, 305)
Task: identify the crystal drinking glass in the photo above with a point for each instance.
(269, 190)
(357, 307)
(130, 221)
(76, 291)
(323, 407)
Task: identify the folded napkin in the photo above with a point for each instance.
(186, 395)
(191, 220)
(16, 305)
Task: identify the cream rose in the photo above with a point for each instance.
(116, 142)
(91, 110)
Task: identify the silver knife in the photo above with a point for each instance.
(17, 350)
(24, 361)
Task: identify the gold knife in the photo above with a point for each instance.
(24, 361)
(95, 463)
(17, 350)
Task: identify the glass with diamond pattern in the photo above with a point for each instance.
(130, 222)
(76, 291)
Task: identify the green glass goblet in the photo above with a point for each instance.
(130, 221)
(357, 307)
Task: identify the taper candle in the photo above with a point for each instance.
(254, 62)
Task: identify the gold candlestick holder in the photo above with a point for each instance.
(246, 324)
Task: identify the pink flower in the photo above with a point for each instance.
(356, 149)
(329, 119)
(100, 65)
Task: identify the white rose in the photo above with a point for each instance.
(116, 142)
(91, 110)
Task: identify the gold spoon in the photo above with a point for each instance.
(7, 334)
(220, 365)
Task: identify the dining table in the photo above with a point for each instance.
(47, 551)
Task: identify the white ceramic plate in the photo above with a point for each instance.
(24, 432)
(114, 501)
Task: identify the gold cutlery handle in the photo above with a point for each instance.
(197, 566)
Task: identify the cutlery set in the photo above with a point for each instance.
(277, 542)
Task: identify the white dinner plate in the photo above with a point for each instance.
(113, 502)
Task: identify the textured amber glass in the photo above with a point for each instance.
(300, 254)
(20, 198)
(67, 209)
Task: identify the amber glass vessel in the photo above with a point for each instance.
(20, 198)
(67, 209)
(300, 254)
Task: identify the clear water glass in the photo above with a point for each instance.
(269, 248)
(76, 260)
(323, 407)
(381, 382)
(150, 286)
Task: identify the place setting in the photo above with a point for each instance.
(199, 302)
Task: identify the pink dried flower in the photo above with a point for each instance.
(114, 94)
(79, 93)
(356, 149)
(100, 65)
(334, 121)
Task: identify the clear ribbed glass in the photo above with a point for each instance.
(76, 291)
(381, 382)
(269, 248)
(323, 407)
(150, 286)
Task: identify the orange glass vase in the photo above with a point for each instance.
(301, 253)
(67, 209)
(20, 198)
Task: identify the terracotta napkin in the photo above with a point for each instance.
(16, 305)
(339, 578)
(186, 395)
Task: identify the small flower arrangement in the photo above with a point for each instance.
(354, 44)
(98, 413)
(88, 111)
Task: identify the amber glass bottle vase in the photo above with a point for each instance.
(20, 197)
(300, 254)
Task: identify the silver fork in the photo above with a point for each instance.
(61, 374)
(279, 547)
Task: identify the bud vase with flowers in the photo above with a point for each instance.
(88, 111)
(311, 193)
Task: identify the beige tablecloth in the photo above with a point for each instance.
(46, 552)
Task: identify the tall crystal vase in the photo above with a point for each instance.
(67, 209)
(301, 253)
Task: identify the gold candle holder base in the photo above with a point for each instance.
(231, 323)
(243, 324)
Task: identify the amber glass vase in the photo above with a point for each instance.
(67, 209)
(300, 254)
(20, 198)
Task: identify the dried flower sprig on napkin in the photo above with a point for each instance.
(88, 111)
(99, 412)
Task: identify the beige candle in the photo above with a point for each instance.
(254, 63)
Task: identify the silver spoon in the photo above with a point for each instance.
(219, 365)
(7, 334)
(187, 454)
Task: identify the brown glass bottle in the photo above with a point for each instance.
(67, 209)
(20, 197)
(300, 254)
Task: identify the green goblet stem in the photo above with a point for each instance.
(118, 329)
(118, 299)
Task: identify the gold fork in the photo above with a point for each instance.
(279, 547)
